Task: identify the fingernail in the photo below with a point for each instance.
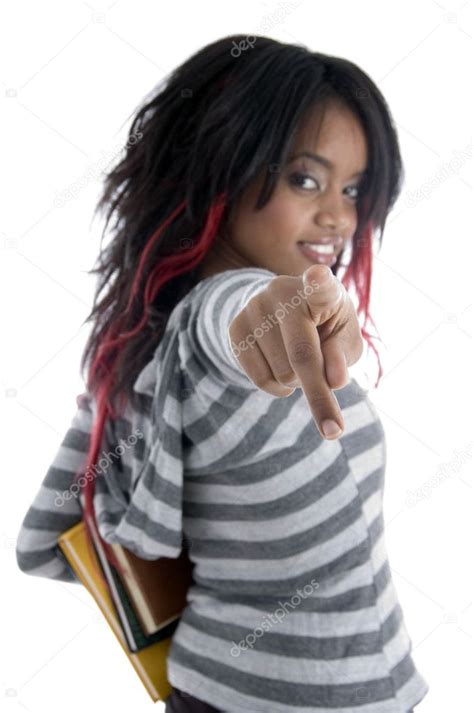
(331, 428)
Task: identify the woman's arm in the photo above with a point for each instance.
(218, 300)
(56, 507)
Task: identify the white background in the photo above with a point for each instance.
(71, 76)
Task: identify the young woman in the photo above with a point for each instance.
(244, 179)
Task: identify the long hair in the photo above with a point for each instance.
(194, 146)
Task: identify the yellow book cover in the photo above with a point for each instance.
(150, 662)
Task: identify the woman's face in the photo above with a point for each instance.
(311, 201)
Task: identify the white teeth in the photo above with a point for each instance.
(326, 249)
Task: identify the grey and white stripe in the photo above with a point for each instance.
(293, 607)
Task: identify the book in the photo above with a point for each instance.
(149, 662)
(126, 609)
(137, 638)
(156, 588)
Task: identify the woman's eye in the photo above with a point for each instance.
(298, 179)
(356, 188)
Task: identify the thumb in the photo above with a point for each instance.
(323, 292)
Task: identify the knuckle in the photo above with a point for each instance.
(301, 352)
(341, 328)
(320, 400)
(270, 386)
(262, 381)
(287, 379)
(282, 369)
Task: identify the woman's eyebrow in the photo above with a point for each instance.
(324, 161)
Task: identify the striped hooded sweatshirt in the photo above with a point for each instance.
(293, 608)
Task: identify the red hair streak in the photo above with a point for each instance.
(359, 274)
(99, 385)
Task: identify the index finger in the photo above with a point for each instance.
(303, 348)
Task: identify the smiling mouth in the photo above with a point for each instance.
(323, 249)
(318, 253)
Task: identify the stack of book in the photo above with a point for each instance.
(142, 605)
